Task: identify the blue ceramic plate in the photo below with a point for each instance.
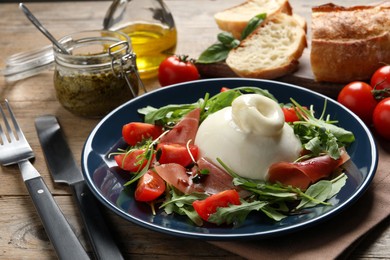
(106, 181)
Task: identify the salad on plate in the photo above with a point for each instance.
(236, 153)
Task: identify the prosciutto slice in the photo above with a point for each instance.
(177, 176)
(302, 174)
(184, 130)
(216, 181)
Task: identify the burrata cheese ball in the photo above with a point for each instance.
(248, 136)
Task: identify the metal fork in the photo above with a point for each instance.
(14, 149)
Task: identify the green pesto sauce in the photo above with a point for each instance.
(92, 94)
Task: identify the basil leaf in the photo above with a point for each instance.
(228, 40)
(215, 53)
(253, 24)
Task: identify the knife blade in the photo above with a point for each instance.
(64, 169)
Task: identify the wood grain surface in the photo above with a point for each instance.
(21, 233)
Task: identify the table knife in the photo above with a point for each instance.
(64, 169)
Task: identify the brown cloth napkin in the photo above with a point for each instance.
(335, 237)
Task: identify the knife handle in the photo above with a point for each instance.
(101, 239)
(60, 233)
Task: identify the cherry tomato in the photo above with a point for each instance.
(223, 89)
(150, 186)
(290, 114)
(135, 132)
(176, 69)
(381, 80)
(358, 97)
(132, 161)
(176, 153)
(381, 118)
(209, 206)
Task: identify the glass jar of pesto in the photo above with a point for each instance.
(97, 74)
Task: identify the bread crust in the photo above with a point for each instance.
(349, 43)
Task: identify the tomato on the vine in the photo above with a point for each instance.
(358, 97)
(176, 69)
(381, 118)
(380, 80)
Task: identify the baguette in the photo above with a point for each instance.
(272, 50)
(349, 44)
(235, 19)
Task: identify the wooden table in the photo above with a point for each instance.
(21, 232)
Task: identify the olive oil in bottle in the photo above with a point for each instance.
(152, 43)
(151, 28)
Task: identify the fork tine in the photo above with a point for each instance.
(6, 123)
(4, 138)
(19, 132)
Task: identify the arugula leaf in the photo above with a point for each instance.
(319, 191)
(191, 214)
(176, 201)
(320, 135)
(337, 184)
(322, 191)
(274, 191)
(273, 213)
(167, 114)
(235, 214)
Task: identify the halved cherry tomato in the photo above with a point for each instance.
(381, 118)
(380, 80)
(132, 161)
(135, 132)
(209, 205)
(176, 69)
(176, 153)
(290, 114)
(150, 186)
(358, 97)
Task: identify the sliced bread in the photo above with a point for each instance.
(271, 51)
(235, 19)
